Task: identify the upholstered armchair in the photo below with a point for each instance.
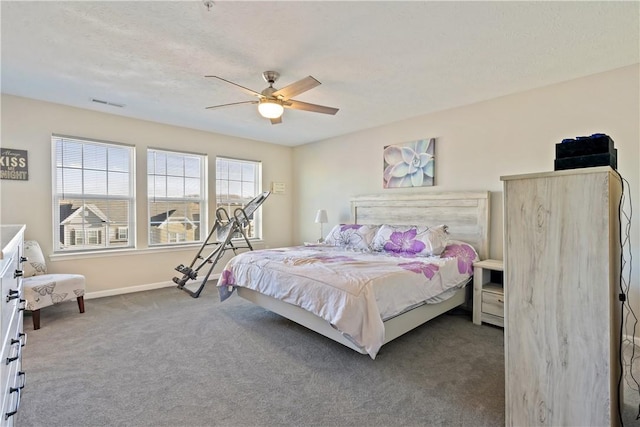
(42, 289)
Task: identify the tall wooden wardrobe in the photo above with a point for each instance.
(562, 312)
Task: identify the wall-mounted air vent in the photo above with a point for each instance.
(113, 104)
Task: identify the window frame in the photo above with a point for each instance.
(203, 199)
(60, 194)
(257, 187)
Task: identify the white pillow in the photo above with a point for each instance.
(411, 239)
(354, 236)
(35, 264)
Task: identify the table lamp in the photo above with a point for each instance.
(321, 217)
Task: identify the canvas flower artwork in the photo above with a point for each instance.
(411, 164)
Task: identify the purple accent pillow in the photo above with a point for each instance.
(354, 236)
(411, 239)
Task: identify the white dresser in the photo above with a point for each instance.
(562, 314)
(12, 378)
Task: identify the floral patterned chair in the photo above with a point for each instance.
(42, 289)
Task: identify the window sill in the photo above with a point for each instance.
(257, 244)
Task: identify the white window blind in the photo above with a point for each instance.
(93, 194)
(177, 197)
(237, 183)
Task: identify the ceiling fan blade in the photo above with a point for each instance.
(298, 105)
(276, 121)
(296, 88)
(228, 105)
(247, 90)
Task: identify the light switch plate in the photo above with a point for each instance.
(278, 187)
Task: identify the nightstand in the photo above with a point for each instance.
(488, 298)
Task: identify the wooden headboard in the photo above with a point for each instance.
(465, 213)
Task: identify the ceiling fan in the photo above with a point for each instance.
(272, 101)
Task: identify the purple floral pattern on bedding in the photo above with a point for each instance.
(319, 258)
(333, 258)
(415, 240)
(226, 284)
(401, 254)
(226, 278)
(404, 242)
(465, 255)
(356, 236)
(345, 227)
(429, 270)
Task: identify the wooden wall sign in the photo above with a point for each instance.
(14, 164)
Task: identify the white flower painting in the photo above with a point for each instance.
(411, 164)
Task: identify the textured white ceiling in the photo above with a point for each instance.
(379, 62)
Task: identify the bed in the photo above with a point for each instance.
(358, 316)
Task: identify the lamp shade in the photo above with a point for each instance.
(321, 216)
(270, 109)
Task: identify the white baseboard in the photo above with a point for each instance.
(138, 288)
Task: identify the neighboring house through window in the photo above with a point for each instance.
(92, 194)
(177, 198)
(237, 183)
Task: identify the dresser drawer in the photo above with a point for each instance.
(493, 303)
(12, 378)
(14, 386)
(10, 293)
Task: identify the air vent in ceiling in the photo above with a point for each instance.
(113, 104)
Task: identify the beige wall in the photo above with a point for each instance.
(477, 144)
(28, 125)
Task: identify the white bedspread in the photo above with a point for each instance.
(353, 291)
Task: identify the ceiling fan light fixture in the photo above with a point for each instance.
(270, 109)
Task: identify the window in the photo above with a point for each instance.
(177, 199)
(123, 233)
(93, 194)
(177, 237)
(237, 183)
(93, 237)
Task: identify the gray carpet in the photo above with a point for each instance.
(162, 358)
